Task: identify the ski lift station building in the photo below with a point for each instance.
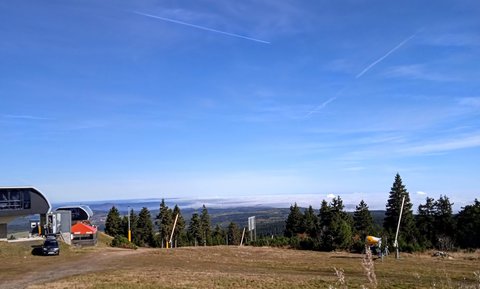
(18, 202)
(79, 213)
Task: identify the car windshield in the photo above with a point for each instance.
(51, 243)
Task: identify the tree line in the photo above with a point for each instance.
(157, 232)
(329, 228)
(434, 225)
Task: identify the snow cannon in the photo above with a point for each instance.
(373, 241)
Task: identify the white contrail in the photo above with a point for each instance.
(385, 56)
(321, 106)
(200, 27)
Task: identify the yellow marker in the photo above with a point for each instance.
(371, 240)
(129, 236)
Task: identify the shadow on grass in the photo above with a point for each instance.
(37, 250)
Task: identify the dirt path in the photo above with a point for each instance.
(54, 270)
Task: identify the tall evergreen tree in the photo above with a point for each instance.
(363, 221)
(338, 233)
(195, 230)
(294, 222)
(426, 223)
(165, 224)
(205, 227)
(145, 228)
(363, 226)
(310, 222)
(324, 216)
(444, 223)
(468, 231)
(233, 234)
(337, 206)
(408, 234)
(179, 233)
(218, 236)
(113, 223)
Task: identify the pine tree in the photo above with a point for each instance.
(294, 223)
(195, 230)
(363, 221)
(363, 226)
(407, 238)
(165, 224)
(324, 216)
(113, 222)
(205, 227)
(338, 234)
(426, 223)
(468, 231)
(335, 226)
(444, 223)
(310, 222)
(233, 234)
(179, 233)
(145, 228)
(218, 236)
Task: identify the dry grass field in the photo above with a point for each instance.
(228, 267)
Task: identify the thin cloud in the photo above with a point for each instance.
(447, 145)
(418, 71)
(457, 39)
(25, 117)
(470, 101)
(385, 56)
(201, 27)
(421, 193)
(331, 196)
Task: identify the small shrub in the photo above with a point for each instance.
(308, 244)
(273, 242)
(122, 242)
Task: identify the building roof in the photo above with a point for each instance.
(83, 229)
(79, 212)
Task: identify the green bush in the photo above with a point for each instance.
(122, 242)
(273, 242)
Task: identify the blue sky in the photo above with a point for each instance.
(263, 100)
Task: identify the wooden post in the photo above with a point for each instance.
(173, 230)
(243, 235)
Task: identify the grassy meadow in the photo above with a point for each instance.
(247, 267)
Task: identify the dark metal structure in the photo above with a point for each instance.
(79, 213)
(21, 201)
